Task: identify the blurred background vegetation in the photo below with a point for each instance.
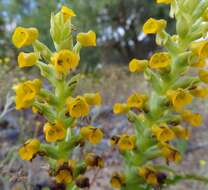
(118, 25)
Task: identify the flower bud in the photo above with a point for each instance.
(87, 39)
(27, 59)
(67, 13)
(61, 28)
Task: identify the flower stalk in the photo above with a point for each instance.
(158, 118)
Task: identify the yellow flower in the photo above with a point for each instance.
(87, 39)
(26, 93)
(179, 98)
(67, 13)
(199, 63)
(136, 65)
(119, 108)
(195, 119)
(65, 171)
(64, 176)
(92, 134)
(153, 26)
(181, 132)
(136, 100)
(163, 133)
(29, 149)
(55, 132)
(170, 153)
(160, 60)
(164, 1)
(203, 75)
(114, 140)
(200, 92)
(149, 174)
(65, 60)
(92, 160)
(127, 142)
(24, 36)
(200, 48)
(27, 59)
(78, 106)
(93, 98)
(117, 180)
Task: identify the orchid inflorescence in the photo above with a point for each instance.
(57, 102)
(159, 116)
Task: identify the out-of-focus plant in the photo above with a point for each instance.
(57, 103)
(117, 31)
(159, 115)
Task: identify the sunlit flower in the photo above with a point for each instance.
(117, 180)
(179, 98)
(153, 26)
(93, 98)
(120, 108)
(160, 60)
(181, 132)
(65, 60)
(24, 36)
(29, 149)
(78, 106)
(195, 119)
(65, 171)
(92, 160)
(200, 92)
(136, 100)
(92, 134)
(127, 142)
(200, 48)
(54, 132)
(163, 133)
(170, 153)
(27, 59)
(149, 174)
(200, 62)
(67, 12)
(87, 39)
(26, 93)
(136, 65)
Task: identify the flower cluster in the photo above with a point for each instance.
(57, 102)
(159, 116)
